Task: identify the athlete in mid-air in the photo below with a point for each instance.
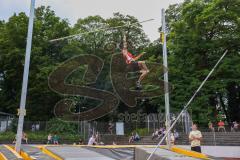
(133, 62)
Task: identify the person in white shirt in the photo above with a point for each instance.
(172, 139)
(235, 126)
(92, 140)
(155, 134)
(49, 139)
(176, 134)
(195, 138)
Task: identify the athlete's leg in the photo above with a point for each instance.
(143, 69)
(144, 66)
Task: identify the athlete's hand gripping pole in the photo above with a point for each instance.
(124, 41)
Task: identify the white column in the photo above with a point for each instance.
(166, 87)
(25, 78)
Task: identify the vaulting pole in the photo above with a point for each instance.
(97, 30)
(188, 103)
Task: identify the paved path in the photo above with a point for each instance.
(35, 153)
(8, 154)
(76, 153)
(219, 151)
(168, 155)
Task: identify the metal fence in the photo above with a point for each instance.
(87, 128)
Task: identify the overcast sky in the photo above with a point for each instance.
(74, 9)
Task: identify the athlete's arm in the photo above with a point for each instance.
(124, 42)
(124, 50)
(138, 56)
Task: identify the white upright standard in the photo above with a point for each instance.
(22, 110)
(166, 87)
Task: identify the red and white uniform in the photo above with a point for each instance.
(128, 57)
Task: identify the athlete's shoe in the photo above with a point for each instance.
(138, 85)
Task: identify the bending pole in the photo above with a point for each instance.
(22, 110)
(186, 106)
(97, 30)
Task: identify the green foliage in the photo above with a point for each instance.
(13, 126)
(38, 136)
(7, 136)
(142, 131)
(12, 48)
(57, 126)
(46, 56)
(199, 32)
(42, 136)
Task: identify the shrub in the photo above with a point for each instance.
(140, 131)
(9, 136)
(61, 127)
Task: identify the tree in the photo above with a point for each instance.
(13, 37)
(199, 32)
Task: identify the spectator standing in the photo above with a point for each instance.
(210, 126)
(110, 127)
(175, 134)
(195, 138)
(172, 139)
(80, 142)
(97, 137)
(49, 139)
(235, 126)
(15, 139)
(37, 127)
(221, 126)
(33, 128)
(131, 139)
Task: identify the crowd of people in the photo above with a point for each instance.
(158, 133)
(195, 136)
(53, 139)
(221, 126)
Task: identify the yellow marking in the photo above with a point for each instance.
(2, 157)
(189, 153)
(106, 146)
(21, 111)
(11, 149)
(23, 155)
(118, 146)
(26, 156)
(51, 154)
(161, 37)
